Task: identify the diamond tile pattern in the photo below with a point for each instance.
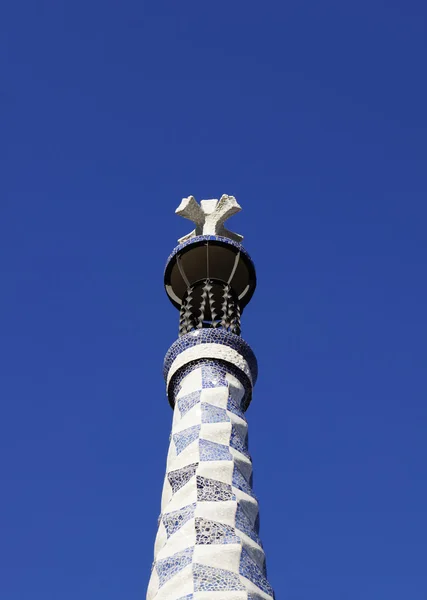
(186, 437)
(207, 544)
(213, 414)
(177, 518)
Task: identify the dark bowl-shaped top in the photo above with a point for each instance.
(210, 257)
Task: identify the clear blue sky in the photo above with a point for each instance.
(313, 114)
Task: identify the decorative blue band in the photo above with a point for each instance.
(213, 373)
(211, 336)
(212, 238)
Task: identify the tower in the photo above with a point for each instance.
(207, 545)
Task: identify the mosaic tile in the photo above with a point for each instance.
(256, 524)
(185, 438)
(243, 524)
(169, 567)
(180, 477)
(236, 407)
(212, 336)
(240, 482)
(210, 579)
(213, 375)
(176, 519)
(211, 532)
(213, 451)
(213, 491)
(181, 374)
(187, 402)
(213, 414)
(250, 570)
(238, 443)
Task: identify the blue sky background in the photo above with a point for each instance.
(313, 114)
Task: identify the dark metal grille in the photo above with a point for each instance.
(209, 304)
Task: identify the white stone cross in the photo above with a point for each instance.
(209, 217)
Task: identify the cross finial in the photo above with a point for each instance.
(209, 216)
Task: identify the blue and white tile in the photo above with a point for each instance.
(209, 469)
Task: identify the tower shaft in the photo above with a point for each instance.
(207, 540)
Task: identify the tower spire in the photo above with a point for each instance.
(208, 534)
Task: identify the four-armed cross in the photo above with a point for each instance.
(210, 216)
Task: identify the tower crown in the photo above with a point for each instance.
(209, 276)
(209, 217)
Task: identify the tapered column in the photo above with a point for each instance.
(207, 540)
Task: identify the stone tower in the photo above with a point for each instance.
(208, 546)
